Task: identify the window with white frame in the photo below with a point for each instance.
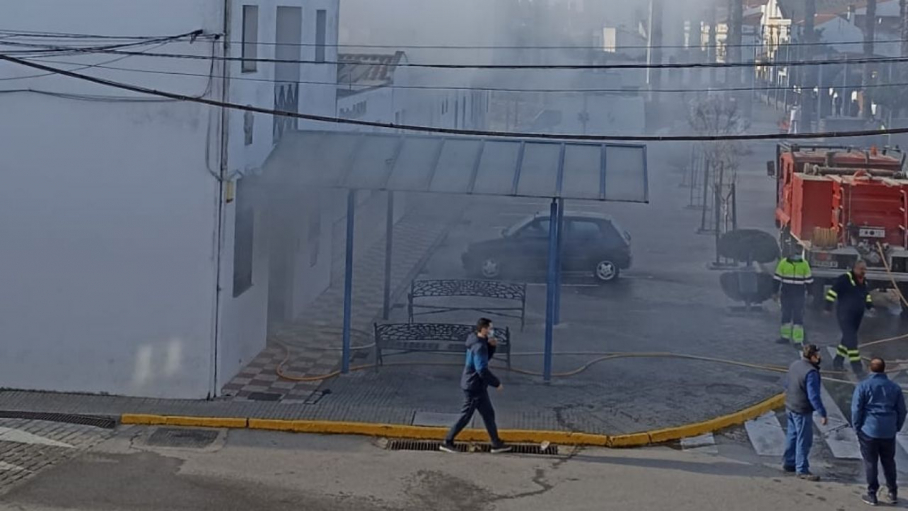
(321, 27)
(250, 38)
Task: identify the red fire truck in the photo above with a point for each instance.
(841, 204)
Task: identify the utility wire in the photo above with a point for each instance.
(69, 50)
(692, 65)
(448, 131)
(102, 65)
(341, 86)
(65, 36)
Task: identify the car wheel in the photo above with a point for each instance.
(490, 268)
(606, 271)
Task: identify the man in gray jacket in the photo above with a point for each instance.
(802, 399)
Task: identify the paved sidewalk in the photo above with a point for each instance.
(314, 338)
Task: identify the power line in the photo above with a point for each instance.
(692, 65)
(448, 131)
(356, 88)
(68, 50)
(66, 36)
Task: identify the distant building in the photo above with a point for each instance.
(372, 87)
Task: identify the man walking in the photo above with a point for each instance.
(852, 297)
(475, 383)
(877, 414)
(802, 399)
(792, 280)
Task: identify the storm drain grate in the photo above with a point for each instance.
(424, 445)
(68, 418)
(265, 396)
(182, 438)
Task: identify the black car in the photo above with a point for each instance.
(594, 244)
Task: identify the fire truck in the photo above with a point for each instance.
(841, 204)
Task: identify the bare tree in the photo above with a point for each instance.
(716, 115)
(869, 38)
(809, 74)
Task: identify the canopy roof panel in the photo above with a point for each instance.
(462, 165)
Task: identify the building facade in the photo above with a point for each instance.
(137, 246)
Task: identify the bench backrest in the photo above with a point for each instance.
(478, 288)
(444, 337)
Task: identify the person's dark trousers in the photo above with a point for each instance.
(849, 324)
(876, 452)
(476, 402)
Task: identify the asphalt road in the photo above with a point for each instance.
(242, 470)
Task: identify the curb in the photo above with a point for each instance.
(471, 435)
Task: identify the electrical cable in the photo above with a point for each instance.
(70, 50)
(66, 35)
(683, 65)
(451, 131)
(357, 88)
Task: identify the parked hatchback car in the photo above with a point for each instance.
(593, 243)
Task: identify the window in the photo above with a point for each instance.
(243, 238)
(315, 233)
(536, 229)
(321, 25)
(250, 38)
(584, 230)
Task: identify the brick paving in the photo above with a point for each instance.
(311, 344)
(30, 446)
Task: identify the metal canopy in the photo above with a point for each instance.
(462, 165)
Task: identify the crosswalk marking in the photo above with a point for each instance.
(838, 434)
(23, 437)
(766, 435)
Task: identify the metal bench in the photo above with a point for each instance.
(421, 289)
(433, 338)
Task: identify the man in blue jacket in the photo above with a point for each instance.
(878, 414)
(475, 383)
(802, 399)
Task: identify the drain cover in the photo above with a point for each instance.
(183, 438)
(83, 420)
(265, 396)
(423, 445)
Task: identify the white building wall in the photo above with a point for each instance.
(108, 215)
(110, 211)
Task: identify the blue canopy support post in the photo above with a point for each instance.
(560, 264)
(389, 247)
(551, 281)
(348, 281)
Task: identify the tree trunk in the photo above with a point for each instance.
(903, 32)
(869, 37)
(808, 74)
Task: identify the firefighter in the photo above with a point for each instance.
(852, 298)
(792, 281)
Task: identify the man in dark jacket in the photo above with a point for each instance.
(475, 383)
(878, 414)
(802, 399)
(851, 296)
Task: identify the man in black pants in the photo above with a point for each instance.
(878, 414)
(475, 383)
(851, 296)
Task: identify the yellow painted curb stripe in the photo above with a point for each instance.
(172, 420)
(469, 435)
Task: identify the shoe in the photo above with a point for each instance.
(782, 340)
(448, 447)
(838, 364)
(869, 499)
(891, 498)
(809, 477)
(501, 449)
(788, 469)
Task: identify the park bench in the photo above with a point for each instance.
(432, 338)
(422, 291)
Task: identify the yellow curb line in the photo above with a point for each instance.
(470, 435)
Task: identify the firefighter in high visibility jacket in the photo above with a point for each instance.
(792, 281)
(851, 297)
